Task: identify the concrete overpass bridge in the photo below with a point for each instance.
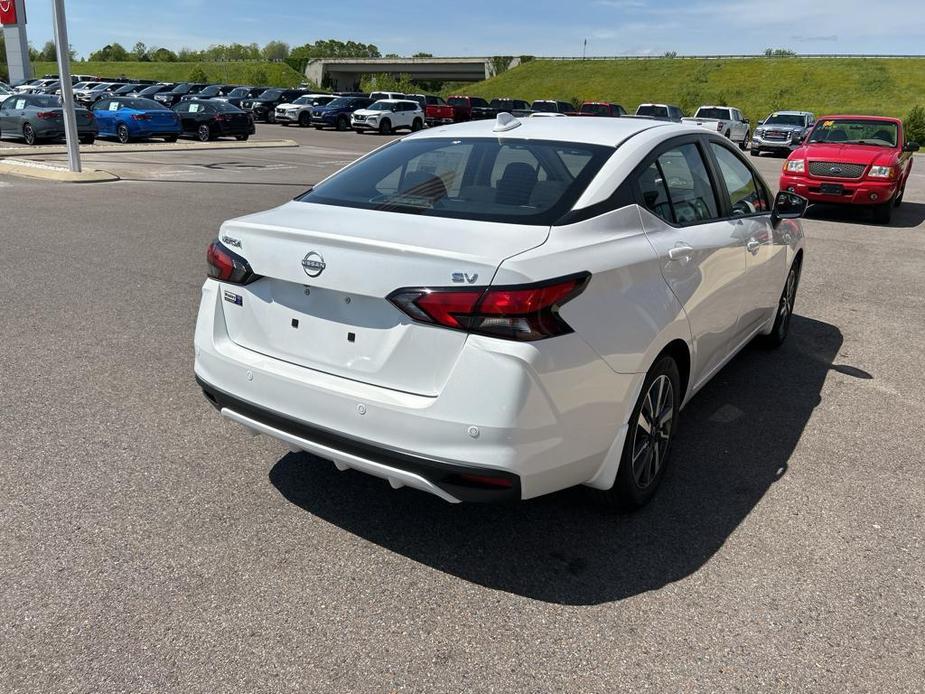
(345, 73)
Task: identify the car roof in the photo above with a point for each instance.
(885, 119)
(397, 101)
(599, 131)
(791, 113)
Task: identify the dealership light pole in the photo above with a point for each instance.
(67, 91)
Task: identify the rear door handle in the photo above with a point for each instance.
(752, 246)
(680, 252)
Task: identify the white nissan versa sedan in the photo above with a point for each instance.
(500, 309)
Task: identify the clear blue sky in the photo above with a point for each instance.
(501, 27)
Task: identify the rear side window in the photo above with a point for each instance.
(746, 195)
(480, 179)
(681, 173)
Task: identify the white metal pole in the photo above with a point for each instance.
(67, 91)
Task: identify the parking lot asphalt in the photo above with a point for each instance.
(145, 546)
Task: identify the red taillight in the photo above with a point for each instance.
(218, 118)
(140, 116)
(48, 115)
(467, 480)
(227, 266)
(522, 312)
(90, 116)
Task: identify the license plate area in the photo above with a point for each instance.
(832, 188)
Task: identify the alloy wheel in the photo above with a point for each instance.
(785, 310)
(204, 133)
(652, 435)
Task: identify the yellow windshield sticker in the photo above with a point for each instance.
(828, 124)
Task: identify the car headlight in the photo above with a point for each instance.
(795, 166)
(759, 132)
(881, 172)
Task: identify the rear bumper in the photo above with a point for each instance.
(57, 130)
(543, 416)
(855, 192)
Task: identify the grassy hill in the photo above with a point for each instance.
(756, 85)
(256, 73)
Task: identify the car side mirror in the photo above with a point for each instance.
(746, 121)
(788, 205)
(761, 122)
(911, 147)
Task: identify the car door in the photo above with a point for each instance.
(6, 112)
(13, 115)
(187, 121)
(702, 258)
(105, 118)
(748, 208)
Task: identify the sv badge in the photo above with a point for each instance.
(465, 277)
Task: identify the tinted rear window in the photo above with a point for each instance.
(272, 94)
(482, 179)
(653, 111)
(603, 109)
(225, 107)
(717, 113)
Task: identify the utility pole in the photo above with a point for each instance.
(67, 91)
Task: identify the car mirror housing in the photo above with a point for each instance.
(788, 205)
(911, 147)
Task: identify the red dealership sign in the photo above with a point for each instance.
(7, 11)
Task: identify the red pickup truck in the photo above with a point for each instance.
(436, 110)
(852, 160)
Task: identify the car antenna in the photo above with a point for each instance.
(506, 122)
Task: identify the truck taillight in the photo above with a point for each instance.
(521, 312)
(719, 126)
(227, 266)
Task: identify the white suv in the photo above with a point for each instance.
(502, 309)
(387, 115)
(300, 110)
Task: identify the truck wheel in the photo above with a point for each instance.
(416, 125)
(899, 197)
(304, 119)
(385, 127)
(342, 123)
(743, 145)
(884, 213)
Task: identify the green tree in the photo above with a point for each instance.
(140, 52)
(914, 125)
(423, 55)
(275, 51)
(163, 55)
(198, 74)
(49, 52)
(383, 82)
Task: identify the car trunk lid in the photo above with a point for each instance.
(327, 272)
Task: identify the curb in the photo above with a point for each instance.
(113, 148)
(49, 172)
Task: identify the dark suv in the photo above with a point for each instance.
(336, 114)
(173, 97)
(264, 106)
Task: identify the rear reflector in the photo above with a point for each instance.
(227, 266)
(522, 312)
(470, 480)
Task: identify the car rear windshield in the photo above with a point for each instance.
(716, 113)
(143, 105)
(545, 106)
(225, 107)
(785, 119)
(154, 89)
(272, 94)
(45, 101)
(457, 101)
(479, 179)
(595, 108)
(652, 111)
(856, 131)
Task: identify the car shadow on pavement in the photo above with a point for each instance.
(909, 215)
(735, 441)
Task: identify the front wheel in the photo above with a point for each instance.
(122, 134)
(242, 138)
(743, 145)
(416, 125)
(304, 120)
(88, 140)
(204, 133)
(755, 152)
(343, 123)
(784, 310)
(385, 127)
(648, 438)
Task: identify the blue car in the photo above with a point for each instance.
(131, 118)
(337, 113)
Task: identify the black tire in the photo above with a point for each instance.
(743, 145)
(122, 134)
(647, 449)
(242, 138)
(755, 152)
(171, 138)
(319, 127)
(204, 133)
(88, 140)
(342, 123)
(385, 127)
(271, 118)
(305, 119)
(358, 131)
(899, 197)
(416, 125)
(28, 134)
(788, 298)
(883, 214)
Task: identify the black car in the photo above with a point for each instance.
(264, 106)
(240, 94)
(212, 91)
(173, 97)
(207, 119)
(148, 91)
(127, 89)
